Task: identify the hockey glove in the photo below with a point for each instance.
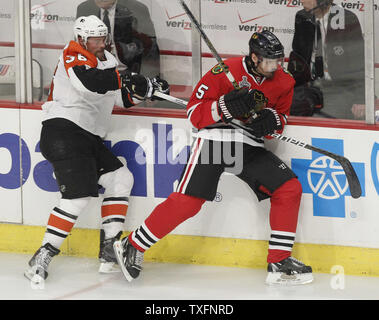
(161, 86)
(137, 85)
(239, 103)
(267, 122)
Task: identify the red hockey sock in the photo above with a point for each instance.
(176, 209)
(285, 203)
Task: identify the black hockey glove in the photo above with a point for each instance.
(137, 85)
(239, 103)
(267, 122)
(160, 85)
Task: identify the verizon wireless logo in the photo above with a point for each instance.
(39, 16)
(360, 6)
(244, 26)
(287, 3)
(173, 22)
(353, 5)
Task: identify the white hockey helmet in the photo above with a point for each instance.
(90, 26)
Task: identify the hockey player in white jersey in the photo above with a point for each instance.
(85, 87)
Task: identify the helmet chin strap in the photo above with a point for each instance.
(82, 42)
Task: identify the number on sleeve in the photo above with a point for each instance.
(70, 59)
(201, 91)
(80, 57)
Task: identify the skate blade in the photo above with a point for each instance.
(118, 250)
(109, 267)
(281, 279)
(33, 277)
(29, 274)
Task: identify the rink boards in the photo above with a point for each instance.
(333, 228)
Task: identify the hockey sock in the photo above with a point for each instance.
(176, 209)
(285, 203)
(113, 213)
(118, 184)
(142, 238)
(62, 220)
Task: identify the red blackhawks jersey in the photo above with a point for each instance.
(202, 107)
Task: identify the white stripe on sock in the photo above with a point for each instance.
(277, 247)
(149, 232)
(283, 233)
(138, 242)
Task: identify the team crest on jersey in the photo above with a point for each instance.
(258, 79)
(244, 83)
(217, 69)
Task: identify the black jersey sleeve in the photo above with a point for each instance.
(97, 80)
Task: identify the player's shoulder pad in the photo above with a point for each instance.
(289, 73)
(74, 54)
(230, 63)
(217, 69)
(285, 76)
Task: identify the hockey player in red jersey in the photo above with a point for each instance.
(266, 88)
(85, 87)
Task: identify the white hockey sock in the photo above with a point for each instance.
(113, 213)
(62, 220)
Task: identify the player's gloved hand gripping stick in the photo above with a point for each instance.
(354, 184)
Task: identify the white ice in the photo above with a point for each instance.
(73, 278)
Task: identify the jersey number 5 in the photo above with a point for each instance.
(201, 91)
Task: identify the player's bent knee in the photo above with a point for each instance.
(295, 187)
(117, 183)
(189, 205)
(290, 189)
(74, 206)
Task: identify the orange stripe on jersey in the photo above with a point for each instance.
(76, 55)
(50, 97)
(113, 209)
(119, 79)
(60, 223)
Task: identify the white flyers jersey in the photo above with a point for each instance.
(84, 89)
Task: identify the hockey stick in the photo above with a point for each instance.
(351, 176)
(170, 98)
(210, 45)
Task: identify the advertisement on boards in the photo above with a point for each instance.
(155, 150)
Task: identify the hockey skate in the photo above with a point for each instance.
(108, 261)
(129, 259)
(38, 264)
(288, 272)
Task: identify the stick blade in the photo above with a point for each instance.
(352, 178)
(351, 175)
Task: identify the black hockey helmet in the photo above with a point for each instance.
(265, 44)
